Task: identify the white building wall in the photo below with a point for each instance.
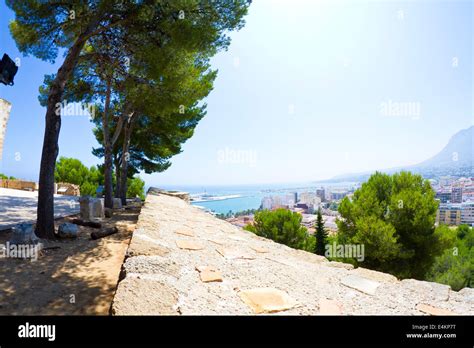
(5, 108)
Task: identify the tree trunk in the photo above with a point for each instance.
(108, 182)
(45, 209)
(117, 177)
(125, 158)
(117, 161)
(124, 168)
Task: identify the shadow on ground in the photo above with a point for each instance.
(70, 277)
(17, 209)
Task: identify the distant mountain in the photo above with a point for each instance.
(458, 153)
(456, 159)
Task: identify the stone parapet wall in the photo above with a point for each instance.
(183, 261)
(19, 184)
(157, 191)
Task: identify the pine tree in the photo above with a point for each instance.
(403, 242)
(321, 235)
(44, 28)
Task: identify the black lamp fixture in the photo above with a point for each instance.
(8, 70)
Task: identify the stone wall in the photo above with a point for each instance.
(64, 188)
(19, 184)
(183, 261)
(157, 191)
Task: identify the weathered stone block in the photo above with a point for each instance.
(330, 307)
(98, 208)
(433, 310)
(68, 230)
(189, 245)
(429, 290)
(85, 204)
(267, 300)
(374, 275)
(209, 274)
(140, 246)
(362, 284)
(91, 208)
(468, 294)
(23, 234)
(337, 264)
(117, 203)
(136, 296)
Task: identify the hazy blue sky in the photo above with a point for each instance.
(302, 94)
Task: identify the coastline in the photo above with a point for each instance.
(215, 198)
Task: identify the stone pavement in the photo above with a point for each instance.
(17, 206)
(182, 260)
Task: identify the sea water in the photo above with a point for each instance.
(250, 196)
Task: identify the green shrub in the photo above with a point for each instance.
(136, 188)
(282, 226)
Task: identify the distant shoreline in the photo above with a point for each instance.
(215, 198)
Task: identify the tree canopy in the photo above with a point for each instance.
(73, 171)
(282, 226)
(455, 267)
(394, 217)
(107, 31)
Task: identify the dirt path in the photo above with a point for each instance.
(70, 277)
